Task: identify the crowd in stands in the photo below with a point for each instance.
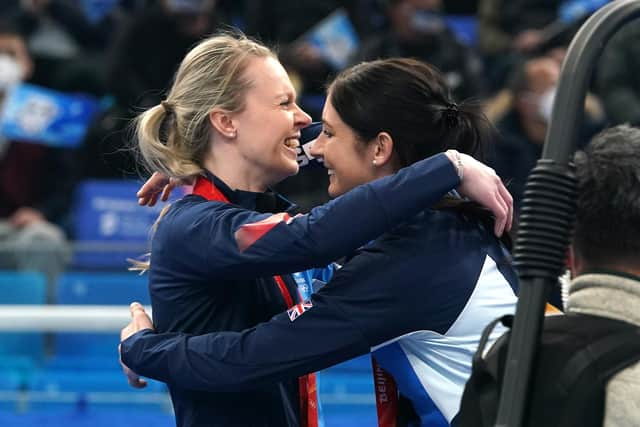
(122, 54)
(506, 54)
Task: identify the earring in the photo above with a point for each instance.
(233, 134)
(375, 162)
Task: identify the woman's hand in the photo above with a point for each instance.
(139, 320)
(481, 184)
(159, 185)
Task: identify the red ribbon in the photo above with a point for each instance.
(307, 383)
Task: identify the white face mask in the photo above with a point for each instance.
(545, 104)
(11, 71)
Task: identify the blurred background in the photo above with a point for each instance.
(74, 72)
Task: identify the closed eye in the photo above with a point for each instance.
(326, 132)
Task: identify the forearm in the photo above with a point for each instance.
(233, 361)
(346, 223)
(244, 244)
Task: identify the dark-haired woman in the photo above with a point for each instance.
(418, 296)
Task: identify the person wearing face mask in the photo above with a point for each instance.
(417, 30)
(147, 51)
(66, 45)
(33, 205)
(15, 64)
(523, 125)
(418, 296)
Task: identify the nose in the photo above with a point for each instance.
(302, 118)
(317, 148)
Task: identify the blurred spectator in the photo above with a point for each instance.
(525, 118)
(65, 43)
(36, 184)
(617, 80)
(142, 63)
(510, 30)
(148, 51)
(418, 30)
(515, 25)
(284, 23)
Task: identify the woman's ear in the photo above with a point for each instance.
(222, 122)
(382, 149)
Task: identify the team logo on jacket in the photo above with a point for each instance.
(298, 310)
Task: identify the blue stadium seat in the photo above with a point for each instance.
(55, 381)
(22, 288)
(11, 383)
(52, 390)
(102, 288)
(81, 288)
(83, 371)
(10, 380)
(109, 225)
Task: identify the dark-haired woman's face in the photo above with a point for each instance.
(347, 159)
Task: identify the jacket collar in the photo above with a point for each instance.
(267, 202)
(608, 294)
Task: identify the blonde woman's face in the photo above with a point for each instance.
(268, 128)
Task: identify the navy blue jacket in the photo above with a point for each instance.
(208, 274)
(419, 297)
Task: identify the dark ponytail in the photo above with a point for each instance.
(469, 132)
(410, 100)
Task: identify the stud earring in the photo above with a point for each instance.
(375, 162)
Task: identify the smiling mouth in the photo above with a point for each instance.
(292, 143)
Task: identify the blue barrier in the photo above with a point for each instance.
(96, 288)
(22, 288)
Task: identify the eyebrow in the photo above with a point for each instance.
(287, 95)
(326, 123)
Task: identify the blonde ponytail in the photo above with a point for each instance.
(159, 148)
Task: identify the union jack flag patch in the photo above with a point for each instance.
(298, 309)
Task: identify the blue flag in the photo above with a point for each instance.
(35, 114)
(335, 39)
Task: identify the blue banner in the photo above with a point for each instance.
(335, 39)
(35, 114)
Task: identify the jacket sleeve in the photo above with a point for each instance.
(273, 351)
(222, 241)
